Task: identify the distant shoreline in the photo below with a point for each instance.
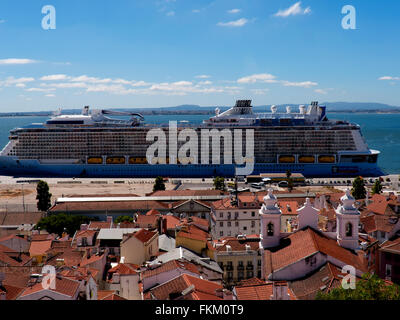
(154, 113)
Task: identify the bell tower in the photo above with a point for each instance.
(270, 216)
(347, 222)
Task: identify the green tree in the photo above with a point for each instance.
(219, 183)
(43, 196)
(120, 219)
(358, 191)
(159, 184)
(370, 287)
(377, 187)
(57, 223)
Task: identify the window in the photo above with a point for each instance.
(229, 233)
(253, 224)
(270, 229)
(221, 224)
(244, 228)
(388, 270)
(237, 224)
(221, 233)
(349, 230)
(229, 224)
(249, 274)
(253, 214)
(221, 214)
(240, 275)
(240, 263)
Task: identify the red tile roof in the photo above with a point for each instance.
(288, 207)
(144, 235)
(379, 205)
(304, 243)
(100, 225)
(108, 295)
(39, 248)
(379, 223)
(108, 206)
(170, 265)
(125, 268)
(12, 292)
(153, 212)
(324, 280)
(172, 221)
(391, 246)
(260, 291)
(203, 289)
(193, 232)
(63, 286)
(190, 193)
(144, 221)
(237, 244)
(93, 258)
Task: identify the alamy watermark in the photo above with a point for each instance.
(349, 280)
(49, 20)
(188, 152)
(349, 20)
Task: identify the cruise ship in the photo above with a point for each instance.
(97, 144)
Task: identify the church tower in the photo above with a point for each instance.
(347, 222)
(270, 216)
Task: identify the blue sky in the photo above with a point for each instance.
(152, 53)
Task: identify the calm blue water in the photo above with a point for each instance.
(381, 131)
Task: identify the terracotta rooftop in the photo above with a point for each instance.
(170, 265)
(379, 205)
(109, 206)
(63, 286)
(144, 235)
(304, 243)
(108, 295)
(383, 223)
(100, 225)
(153, 212)
(39, 248)
(18, 218)
(150, 220)
(93, 258)
(258, 291)
(288, 207)
(171, 221)
(79, 273)
(202, 289)
(12, 292)
(237, 244)
(193, 232)
(391, 246)
(323, 280)
(125, 268)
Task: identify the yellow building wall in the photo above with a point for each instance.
(194, 245)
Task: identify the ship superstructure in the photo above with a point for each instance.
(95, 145)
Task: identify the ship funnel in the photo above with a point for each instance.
(85, 111)
(302, 109)
(288, 109)
(273, 108)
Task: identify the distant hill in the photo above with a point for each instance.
(195, 109)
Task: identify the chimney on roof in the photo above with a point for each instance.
(84, 226)
(280, 291)
(109, 219)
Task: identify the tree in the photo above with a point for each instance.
(123, 219)
(358, 191)
(57, 223)
(377, 187)
(159, 184)
(370, 287)
(289, 180)
(219, 183)
(43, 196)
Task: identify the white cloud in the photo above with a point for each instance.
(389, 78)
(12, 61)
(295, 9)
(321, 91)
(303, 84)
(2, 21)
(50, 95)
(18, 82)
(40, 89)
(260, 91)
(203, 76)
(205, 83)
(196, 10)
(261, 77)
(234, 11)
(237, 23)
(170, 13)
(54, 77)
